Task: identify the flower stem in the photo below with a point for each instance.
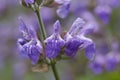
(42, 29)
(53, 66)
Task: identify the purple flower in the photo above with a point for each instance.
(63, 9)
(27, 33)
(111, 64)
(103, 12)
(29, 1)
(76, 39)
(54, 43)
(98, 64)
(106, 61)
(33, 50)
(72, 46)
(88, 45)
(111, 61)
(112, 3)
(20, 44)
(72, 42)
(29, 45)
(78, 7)
(96, 67)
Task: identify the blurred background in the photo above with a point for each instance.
(103, 14)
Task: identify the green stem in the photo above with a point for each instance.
(53, 65)
(42, 29)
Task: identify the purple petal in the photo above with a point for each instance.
(31, 49)
(88, 29)
(103, 12)
(88, 45)
(111, 61)
(53, 48)
(111, 64)
(22, 26)
(29, 1)
(23, 29)
(90, 51)
(54, 43)
(114, 3)
(21, 49)
(76, 26)
(32, 33)
(21, 41)
(57, 26)
(34, 54)
(72, 46)
(96, 67)
(63, 10)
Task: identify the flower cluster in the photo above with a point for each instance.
(102, 9)
(74, 39)
(99, 16)
(61, 45)
(107, 61)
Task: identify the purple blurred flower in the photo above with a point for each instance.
(89, 17)
(54, 43)
(106, 61)
(29, 1)
(96, 68)
(112, 3)
(98, 64)
(3, 6)
(80, 6)
(76, 39)
(110, 62)
(103, 12)
(63, 9)
(29, 45)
